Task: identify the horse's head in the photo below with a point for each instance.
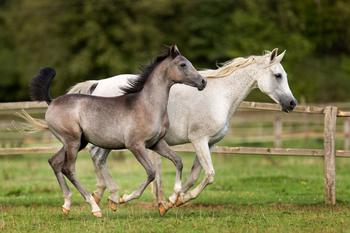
(181, 70)
(272, 80)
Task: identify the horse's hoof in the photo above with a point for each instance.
(97, 214)
(179, 201)
(65, 211)
(96, 198)
(163, 207)
(121, 200)
(112, 205)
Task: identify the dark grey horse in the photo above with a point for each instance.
(136, 121)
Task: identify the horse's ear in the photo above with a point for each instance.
(273, 54)
(280, 57)
(174, 51)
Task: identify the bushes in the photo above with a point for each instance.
(97, 39)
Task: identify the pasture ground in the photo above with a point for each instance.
(250, 194)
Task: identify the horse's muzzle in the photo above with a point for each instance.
(202, 85)
(289, 105)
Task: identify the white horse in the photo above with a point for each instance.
(201, 118)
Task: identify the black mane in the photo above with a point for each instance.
(137, 84)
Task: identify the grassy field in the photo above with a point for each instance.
(250, 194)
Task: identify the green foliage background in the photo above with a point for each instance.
(93, 39)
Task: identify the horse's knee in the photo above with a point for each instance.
(178, 163)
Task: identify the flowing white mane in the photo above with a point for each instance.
(232, 65)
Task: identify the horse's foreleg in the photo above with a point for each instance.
(140, 153)
(69, 171)
(157, 186)
(56, 162)
(203, 154)
(163, 149)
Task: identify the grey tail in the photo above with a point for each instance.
(40, 85)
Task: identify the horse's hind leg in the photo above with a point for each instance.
(157, 186)
(140, 152)
(192, 178)
(56, 162)
(104, 179)
(69, 171)
(100, 182)
(163, 149)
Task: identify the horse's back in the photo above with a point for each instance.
(77, 115)
(112, 86)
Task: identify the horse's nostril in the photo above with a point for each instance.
(292, 103)
(204, 82)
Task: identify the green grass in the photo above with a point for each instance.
(250, 194)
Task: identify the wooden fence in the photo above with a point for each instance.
(329, 152)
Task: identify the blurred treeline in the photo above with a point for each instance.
(93, 39)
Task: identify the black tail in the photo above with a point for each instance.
(40, 85)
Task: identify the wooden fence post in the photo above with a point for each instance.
(277, 128)
(346, 133)
(330, 120)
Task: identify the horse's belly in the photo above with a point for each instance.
(108, 143)
(219, 135)
(176, 135)
(104, 140)
(173, 140)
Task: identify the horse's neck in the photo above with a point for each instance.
(237, 87)
(155, 92)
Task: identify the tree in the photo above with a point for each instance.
(96, 39)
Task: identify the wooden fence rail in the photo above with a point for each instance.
(328, 152)
(16, 106)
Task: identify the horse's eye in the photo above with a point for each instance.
(183, 65)
(278, 76)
